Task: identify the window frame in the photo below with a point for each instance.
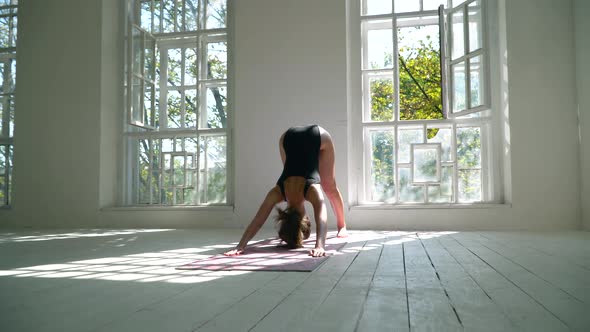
(361, 188)
(135, 131)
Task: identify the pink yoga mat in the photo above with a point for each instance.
(268, 255)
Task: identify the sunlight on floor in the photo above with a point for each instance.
(160, 266)
(39, 236)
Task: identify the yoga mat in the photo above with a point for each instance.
(268, 255)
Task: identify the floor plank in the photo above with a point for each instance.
(524, 311)
(475, 308)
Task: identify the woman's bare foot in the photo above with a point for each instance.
(342, 232)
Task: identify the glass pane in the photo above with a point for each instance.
(376, 7)
(382, 160)
(174, 108)
(380, 97)
(216, 107)
(407, 192)
(149, 104)
(190, 66)
(5, 32)
(469, 147)
(150, 59)
(11, 116)
(442, 136)
(458, 87)
(3, 109)
(145, 15)
(158, 16)
(379, 46)
(174, 67)
(434, 4)
(191, 107)
(216, 14)
(406, 137)
(419, 73)
(137, 42)
(475, 25)
(458, 35)
(169, 16)
(469, 185)
(456, 3)
(216, 169)
(425, 166)
(403, 6)
(476, 81)
(444, 192)
(144, 172)
(136, 95)
(191, 15)
(217, 60)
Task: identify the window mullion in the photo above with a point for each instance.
(467, 58)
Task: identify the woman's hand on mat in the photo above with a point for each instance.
(234, 252)
(317, 252)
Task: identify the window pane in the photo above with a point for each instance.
(216, 169)
(137, 42)
(403, 6)
(145, 15)
(190, 15)
(469, 186)
(434, 4)
(174, 109)
(444, 192)
(216, 105)
(458, 35)
(190, 66)
(376, 7)
(169, 16)
(425, 164)
(382, 163)
(217, 60)
(216, 14)
(158, 16)
(469, 147)
(442, 136)
(136, 95)
(174, 67)
(475, 25)
(191, 107)
(150, 59)
(456, 3)
(476, 81)
(458, 87)
(407, 192)
(405, 138)
(378, 45)
(380, 97)
(419, 73)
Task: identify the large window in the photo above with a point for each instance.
(178, 122)
(8, 29)
(426, 122)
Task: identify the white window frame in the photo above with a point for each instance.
(136, 130)
(361, 125)
(8, 61)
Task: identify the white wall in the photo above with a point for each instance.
(582, 40)
(290, 68)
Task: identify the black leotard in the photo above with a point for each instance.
(302, 150)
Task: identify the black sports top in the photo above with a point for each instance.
(302, 150)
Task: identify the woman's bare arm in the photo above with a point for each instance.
(316, 198)
(273, 197)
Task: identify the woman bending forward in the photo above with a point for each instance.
(308, 163)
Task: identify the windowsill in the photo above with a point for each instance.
(430, 206)
(218, 208)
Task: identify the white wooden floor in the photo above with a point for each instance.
(124, 280)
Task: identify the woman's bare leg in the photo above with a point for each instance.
(327, 169)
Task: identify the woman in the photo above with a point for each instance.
(308, 163)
